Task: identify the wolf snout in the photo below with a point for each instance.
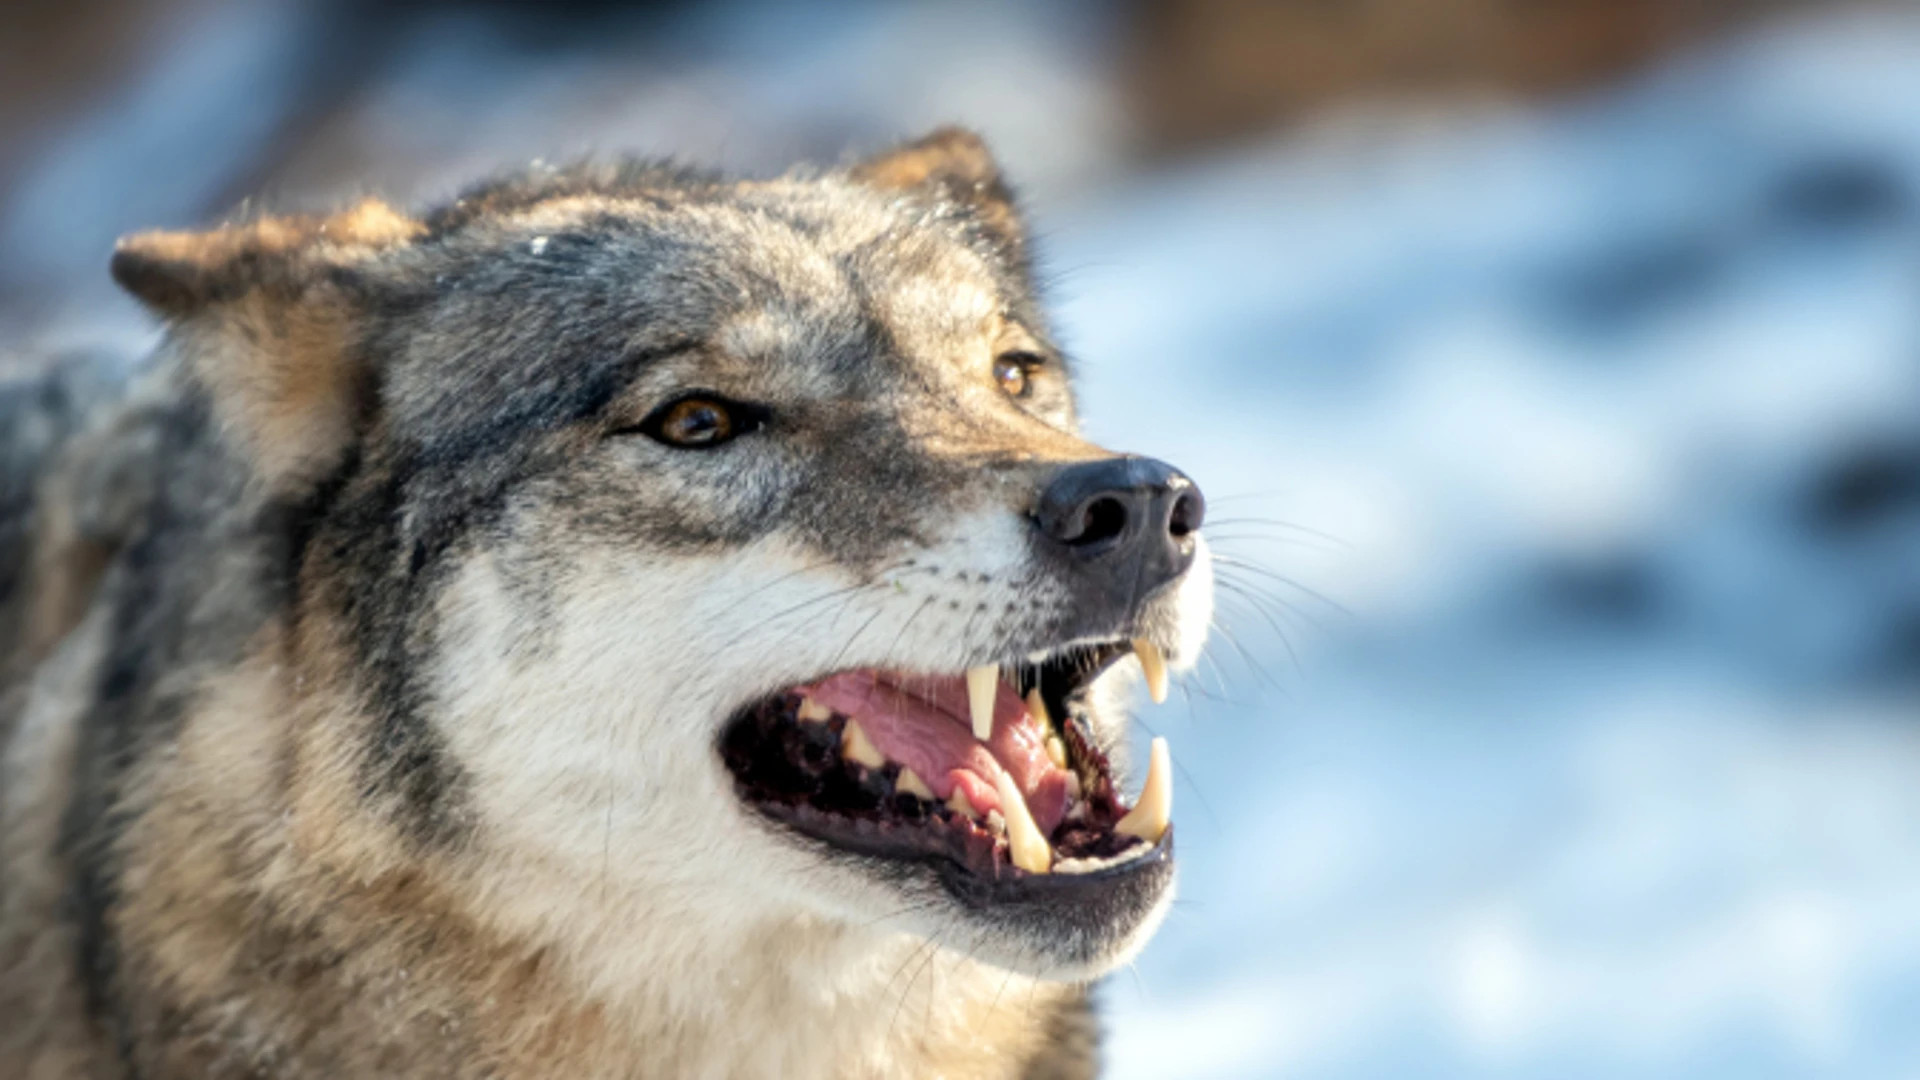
(1128, 523)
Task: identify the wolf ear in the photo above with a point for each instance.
(178, 274)
(265, 321)
(954, 164)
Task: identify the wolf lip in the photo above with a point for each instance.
(883, 763)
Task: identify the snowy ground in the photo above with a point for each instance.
(1608, 413)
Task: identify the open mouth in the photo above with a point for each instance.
(992, 776)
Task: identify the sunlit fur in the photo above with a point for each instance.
(369, 728)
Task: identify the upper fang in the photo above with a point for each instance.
(1154, 663)
(983, 685)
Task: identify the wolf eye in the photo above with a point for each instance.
(1014, 372)
(699, 421)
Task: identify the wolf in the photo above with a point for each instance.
(624, 622)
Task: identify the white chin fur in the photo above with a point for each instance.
(589, 729)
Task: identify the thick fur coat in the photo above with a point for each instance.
(361, 659)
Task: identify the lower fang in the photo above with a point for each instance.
(1149, 817)
(813, 712)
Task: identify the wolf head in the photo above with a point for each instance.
(644, 526)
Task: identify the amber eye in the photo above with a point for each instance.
(1014, 372)
(700, 421)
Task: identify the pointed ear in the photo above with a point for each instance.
(954, 164)
(177, 274)
(264, 321)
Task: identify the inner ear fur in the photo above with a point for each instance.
(954, 164)
(265, 324)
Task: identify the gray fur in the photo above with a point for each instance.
(360, 430)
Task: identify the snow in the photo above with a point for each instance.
(1608, 766)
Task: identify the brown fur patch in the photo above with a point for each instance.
(268, 329)
(46, 1034)
(67, 565)
(956, 164)
(283, 379)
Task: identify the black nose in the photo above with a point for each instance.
(1129, 521)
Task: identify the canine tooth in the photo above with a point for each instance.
(960, 804)
(813, 712)
(910, 782)
(983, 683)
(1029, 848)
(1149, 816)
(1154, 663)
(1056, 752)
(856, 747)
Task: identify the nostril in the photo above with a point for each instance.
(1129, 512)
(1188, 511)
(1100, 519)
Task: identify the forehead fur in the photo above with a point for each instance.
(828, 237)
(580, 275)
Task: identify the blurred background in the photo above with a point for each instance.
(1553, 367)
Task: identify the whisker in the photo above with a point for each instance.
(1236, 591)
(894, 914)
(1277, 523)
(1219, 677)
(1256, 568)
(1236, 540)
(795, 609)
(834, 664)
(1252, 664)
(1251, 587)
(1274, 493)
(1206, 695)
(821, 599)
(786, 577)
(815, 626)
(907, 991)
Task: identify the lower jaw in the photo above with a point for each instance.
(1063, 928)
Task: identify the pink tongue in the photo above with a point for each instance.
(923, 723)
